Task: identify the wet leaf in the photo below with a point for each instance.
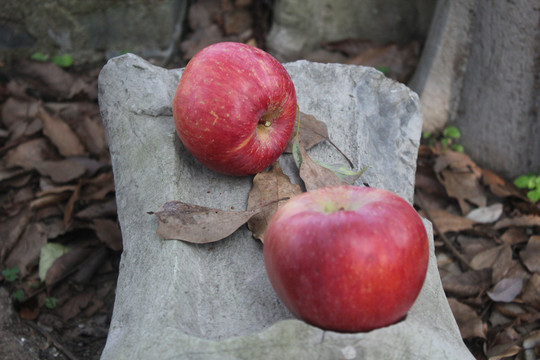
(470, 324)
(506, 290)
(311, 132)
(531, 254)
(314, 175)
(198, 224)
(268, 187)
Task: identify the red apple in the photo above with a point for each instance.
(347, 258)
(234, 108)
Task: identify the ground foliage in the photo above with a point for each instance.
(57, 206)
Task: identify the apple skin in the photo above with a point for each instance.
(347, 258)
(234, 108)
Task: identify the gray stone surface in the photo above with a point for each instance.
(298, 28)
(182, 301)
(90, 31)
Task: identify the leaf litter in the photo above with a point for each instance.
(492, 226)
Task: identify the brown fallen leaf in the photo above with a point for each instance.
(26, 251)
(74, 305)
(29, 154)
(498, 186)
(468, 284)
(461, 179)
(109, 233)
(70, 205)
(503, 351)
(470, 324)
(514, 235)
(531, 291)
(198, 224)
(11, 229)
(61, 171)
(499, 258)
(314, 175)
(98, 209)
(310, 133)
(506, 290)
(447, 221)
(531, 254)
(60, 134)
(65, 265)
(523, 220)
(268, 187)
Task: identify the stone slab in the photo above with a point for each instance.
(183, 301)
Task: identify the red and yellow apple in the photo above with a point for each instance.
(347, 258)
(234, 108)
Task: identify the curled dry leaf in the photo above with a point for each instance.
(64, 265)
(268, 187)
(499, 186)
(470, 324)
(198, 224)
(523, 220)
(314, 175)
(310, 133)
(503, 351)
(461, 179)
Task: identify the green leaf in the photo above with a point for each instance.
(384, 69)
(11, 274)
(296, 154)
(39, 56)
(445, 142)
(458, 148)
(49, 253)
(343, 172)
(451, 132)
(426, 135)
(534, 195)
(18, 295)
(526, 181)
(51, 302)
(63, 60)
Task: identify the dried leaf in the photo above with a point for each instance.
(16, 111)
(29, 154)
(100, 209)
(61, 135)
(74, 305)
(531, 254)
(461, 178)
(65, 264)
(499, 258)
(503, 351)
(468, 284)
(498, 185)
(514, 235)
(268, 187)
(109, 233)
(311, 132)
(46, 78)
(523, 220)
(531, 292)
(470, 324)
(11, 230)
(61, 171)
(198, 224)
(70, 205)
(506, 290)
(486, 214)
(447, 222)
(49, 253)
(25, 253)
(314, 175)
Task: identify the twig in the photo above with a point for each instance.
(445, 240)
(53, 340)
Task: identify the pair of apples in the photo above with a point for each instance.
(343, 258)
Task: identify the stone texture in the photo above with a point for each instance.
(479, 71)
(297, 29)
(178, 300)
(90, 31)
